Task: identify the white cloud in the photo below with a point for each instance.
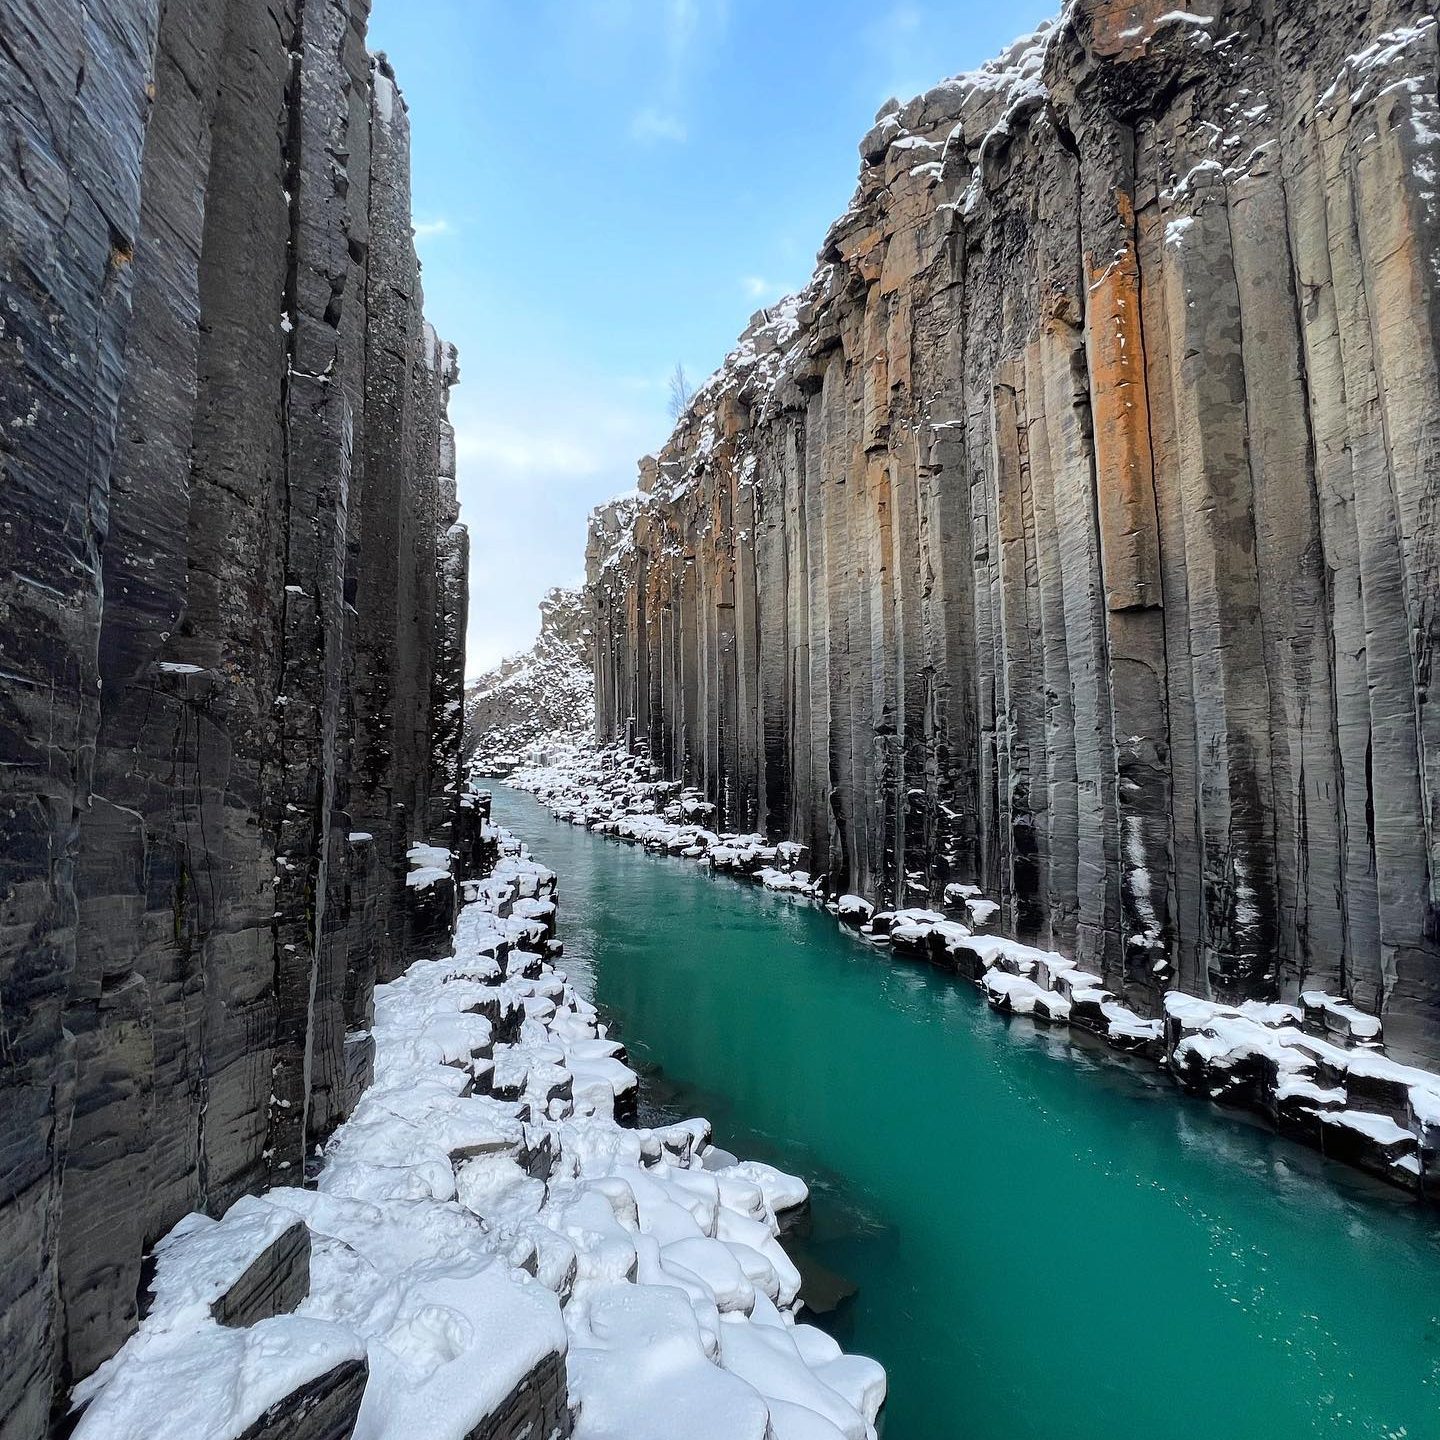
(491, 445)
(536, 454)
(757, 287)
(651, 125)
(684, 23)
(428, 229)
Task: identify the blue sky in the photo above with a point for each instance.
(604, 188)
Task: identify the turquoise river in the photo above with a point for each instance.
(1044, 1241)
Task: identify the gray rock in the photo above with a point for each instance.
(1068, 535)
(546, 689)
(322, 1409)
(274, 1282)
(210, 321)
(70, 218)
(538, 1406)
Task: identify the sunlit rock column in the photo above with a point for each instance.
(1070, 533)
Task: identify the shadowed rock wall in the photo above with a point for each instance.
(1074, 532)
(231, 626)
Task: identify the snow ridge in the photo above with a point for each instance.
(547, 689)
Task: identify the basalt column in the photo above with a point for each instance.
(1072, 534)
(188, 470)
(70, 200)
(383, 793)
(452, 599)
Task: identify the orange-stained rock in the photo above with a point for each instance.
(1079, 543)
(1124, 482)
(1121, 29)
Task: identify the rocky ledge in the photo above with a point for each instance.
(493, 1249)
(1317, 1070)
(548, 689)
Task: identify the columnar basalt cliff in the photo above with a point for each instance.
(1074, 532)
(232, 621)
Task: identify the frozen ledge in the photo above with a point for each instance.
(492, 1251)
(1317, 1069)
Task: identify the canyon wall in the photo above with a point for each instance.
(231, 626)
(1074, 532)
(547, 689)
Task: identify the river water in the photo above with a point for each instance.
(1042, 1239)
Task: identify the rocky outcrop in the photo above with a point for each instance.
(1072, 533)
(231, 623)
(546, 690)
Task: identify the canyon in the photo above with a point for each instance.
(232, 629)
(969, 1170)
(1071, 535)
(1049, 590)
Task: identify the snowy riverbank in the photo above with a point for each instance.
(489, 1252)
(1315, 1068)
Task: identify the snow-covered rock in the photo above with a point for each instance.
(492, 1247)
(547, 690)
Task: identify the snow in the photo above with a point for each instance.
(429, 864)
(629, 1338)
(425, 1379)
(459, 1238)
(1362, 71)
(1293, 1087)
(1014, 992)
(186, 1374)
(208, 1382)
(768, 1357)
(781, 1192)
(385, 97)
(1360, 1025)
(1124, 1024)
(1308, 1068)
(1379, 1128)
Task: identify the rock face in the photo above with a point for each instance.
(231, 626)
(1073, 533)
(549, 688)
